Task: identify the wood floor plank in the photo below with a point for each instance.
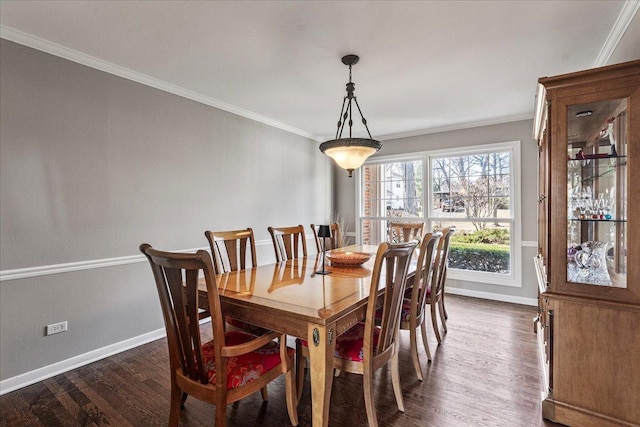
(17, 412)
(112, 413)
(77, 413)
(485, 373)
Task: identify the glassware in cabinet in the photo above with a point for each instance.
(596, 193)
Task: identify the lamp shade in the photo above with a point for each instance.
(350, 153)
(324, 231)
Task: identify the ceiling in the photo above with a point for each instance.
(424, 66)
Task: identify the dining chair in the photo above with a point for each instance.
(249, 363)
(230, 251)
(405, 231)
(335, 241)
(413, 313)
(286, 242)
(444, 283)
(436, 290)
(367, 347)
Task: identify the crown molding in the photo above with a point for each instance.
(628, 12)
(458, 126)
(56, 49)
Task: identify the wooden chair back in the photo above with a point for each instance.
(287, 242)
(440, 265)
(395, 259)
(405, 231)
(176, 276)
(229, 249)
(333, 242)
(424, 275)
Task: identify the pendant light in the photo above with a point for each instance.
(350, 153)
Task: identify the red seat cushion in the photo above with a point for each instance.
(247, 367)
(349, 346)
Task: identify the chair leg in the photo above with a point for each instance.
(301, 362)
(443, 315)
(264, 393)
(444, 309)
(367, 380)
(176, 403)
(434, 321)
(395, 377)
(423, 329)
(221, 410)
(184, 399)
(292, 397)
(413, 342)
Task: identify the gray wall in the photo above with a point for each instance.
(516, 131)
(91, 166)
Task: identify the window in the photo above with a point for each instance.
(391, 191)
(473, 189)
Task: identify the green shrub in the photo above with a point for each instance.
(498, 236)
(491, 258)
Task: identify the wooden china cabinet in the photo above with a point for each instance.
(587, 125)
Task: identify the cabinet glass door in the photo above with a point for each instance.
(597, 193)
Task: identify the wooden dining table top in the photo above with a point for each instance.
(293, 288)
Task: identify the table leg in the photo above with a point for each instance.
(322, 344)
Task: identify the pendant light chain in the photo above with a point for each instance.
(364, 121)
(340, 122)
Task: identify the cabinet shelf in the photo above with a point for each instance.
(599, 168)
(614, 221)
(600, 159)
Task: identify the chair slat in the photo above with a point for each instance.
(287, 242)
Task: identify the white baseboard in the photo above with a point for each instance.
(28, 378)
(40, 374)
(492, 296)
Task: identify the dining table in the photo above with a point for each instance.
(292, 298)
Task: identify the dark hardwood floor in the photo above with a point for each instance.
(486, 373)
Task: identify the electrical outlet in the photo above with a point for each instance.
(56, 328)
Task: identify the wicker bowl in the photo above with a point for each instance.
(348, 259)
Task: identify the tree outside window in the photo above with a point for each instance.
(473, 192)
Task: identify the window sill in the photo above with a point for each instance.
(487, 278)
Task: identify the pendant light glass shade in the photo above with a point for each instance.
(350, 153)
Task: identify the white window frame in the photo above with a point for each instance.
(377, 161)
(514, 278)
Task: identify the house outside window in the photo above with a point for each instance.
(475, 189)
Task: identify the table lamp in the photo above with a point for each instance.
(324, 233)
